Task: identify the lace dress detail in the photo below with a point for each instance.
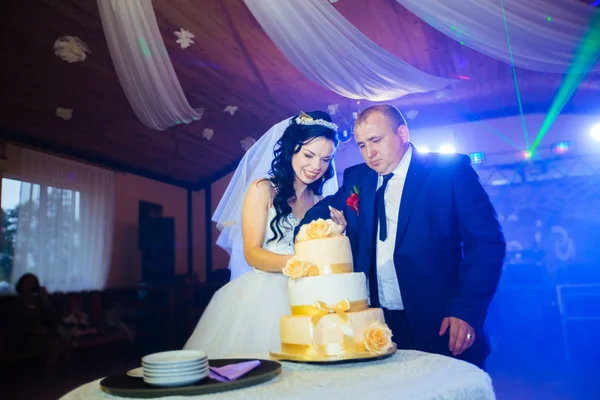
(284, 245)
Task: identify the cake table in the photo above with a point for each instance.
(405, 375)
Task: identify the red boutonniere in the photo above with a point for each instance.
(352, 200)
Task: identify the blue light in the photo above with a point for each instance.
(477, 158)
(560, 148)
(596, 130)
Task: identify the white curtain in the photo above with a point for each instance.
(143, 64)
(64, 224)
(329, 50)
(544, 34)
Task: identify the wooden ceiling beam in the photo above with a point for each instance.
(86, 156)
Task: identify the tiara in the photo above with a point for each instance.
(305, 119)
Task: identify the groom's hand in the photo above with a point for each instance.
(338, 217)
(462, 335)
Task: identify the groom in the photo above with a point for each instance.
(424, 232)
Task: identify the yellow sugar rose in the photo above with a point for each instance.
(311, 270)
(301, 236)
(337, 228)
(378, 338)
(319, 229)
(294, 268)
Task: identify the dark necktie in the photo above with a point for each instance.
(380, 204)
(379, 217)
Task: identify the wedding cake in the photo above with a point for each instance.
(331, 318)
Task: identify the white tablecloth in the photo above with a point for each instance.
(405, 375)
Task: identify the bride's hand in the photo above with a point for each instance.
(338, 217)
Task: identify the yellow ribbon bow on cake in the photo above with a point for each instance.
(321, 309)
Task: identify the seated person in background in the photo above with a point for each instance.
(36, 320)
(36, 314)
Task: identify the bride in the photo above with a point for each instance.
(282, 176)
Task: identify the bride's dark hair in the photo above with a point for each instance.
(282, 173)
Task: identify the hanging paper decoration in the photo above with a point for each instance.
(71, 49)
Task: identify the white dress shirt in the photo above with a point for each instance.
(389, 290)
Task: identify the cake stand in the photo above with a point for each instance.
(333, 359)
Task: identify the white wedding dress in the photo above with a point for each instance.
(243, 316)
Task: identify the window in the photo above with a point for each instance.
(64, 222)
(10, 209)
(42, 223)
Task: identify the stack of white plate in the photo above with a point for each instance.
(175, 368)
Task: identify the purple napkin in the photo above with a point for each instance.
(232, 372)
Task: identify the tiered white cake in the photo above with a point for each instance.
(330, 312)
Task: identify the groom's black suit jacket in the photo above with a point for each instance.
(449, 244)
